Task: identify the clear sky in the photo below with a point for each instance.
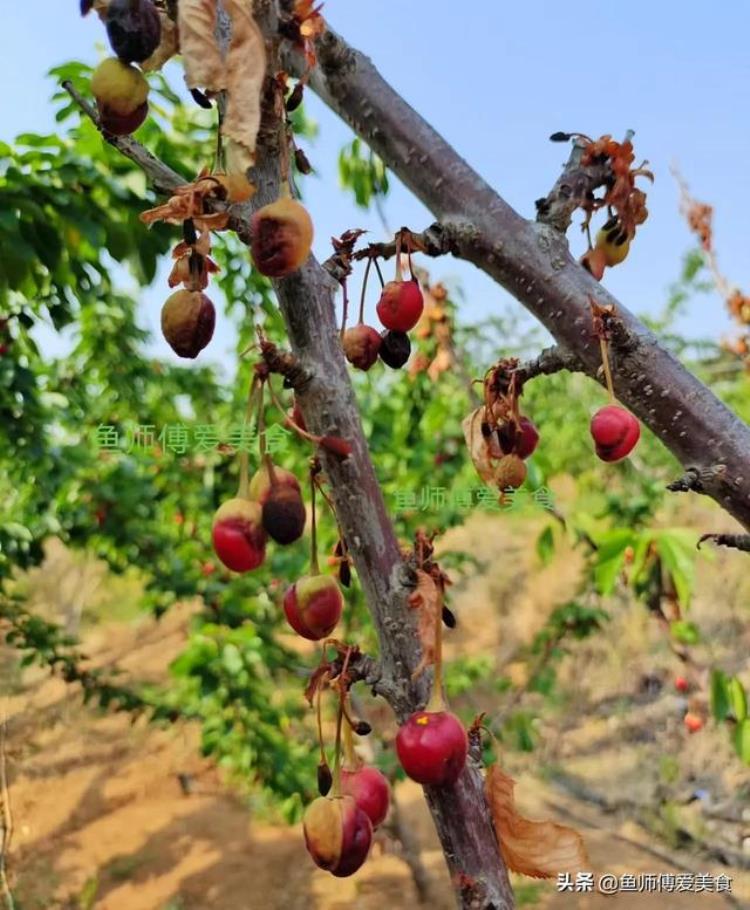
(496, 78)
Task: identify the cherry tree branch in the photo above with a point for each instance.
(532, 261)
(329, 407)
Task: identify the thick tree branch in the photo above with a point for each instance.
(532, 261)
(329, 407)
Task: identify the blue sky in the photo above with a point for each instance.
(496, 78)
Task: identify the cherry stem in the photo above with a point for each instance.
(364, 289)
(320, 725)
(399, 275)
(219, 164)
(437, 701)
(346, 308)
(242, 492)
(350, 756)
(408, 257)
(314, 564)
(337, 755)
(264, 456)
(377, 269)
(607, 372)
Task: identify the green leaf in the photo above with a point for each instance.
(719, 693)
(678, 553)
(737, 698)
(545, 545)
(610, 558)
(686, 633)
(742, 740)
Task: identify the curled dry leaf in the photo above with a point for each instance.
(536, 849)
(204, 65)
(479, 450)
(428, 599)
(246, 69)
(168, 46)
(187, 202)
(240, 75)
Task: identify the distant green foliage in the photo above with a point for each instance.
(362, 172)
(74, 258)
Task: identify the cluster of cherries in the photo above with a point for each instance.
(273, 507)
(121, 91)
(399, 309)
(432, 744)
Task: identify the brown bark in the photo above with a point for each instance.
(329, 407)
(532, 261)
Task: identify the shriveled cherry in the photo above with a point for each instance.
(361, 344)
(395, 348)
(529, 438)
(260, 482)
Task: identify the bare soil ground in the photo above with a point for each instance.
(102, 821)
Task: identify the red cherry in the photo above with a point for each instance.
(370, 790)
(207, 568)
(432, 747)
(238, 536)
(681, 684)
(313, 606)
(615, 432)
(400, 305)
(693, 722)
(529, 438)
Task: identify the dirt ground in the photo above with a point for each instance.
(102, 821)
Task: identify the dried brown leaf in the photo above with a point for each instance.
(479, 450)
(428, 599)
(246, 69)
(204, 66)
(533, 848)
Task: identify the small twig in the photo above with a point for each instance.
(735, 541)
(551, 360)
(696, 480)
(434, 241)
(7, 818)
(163, 179)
